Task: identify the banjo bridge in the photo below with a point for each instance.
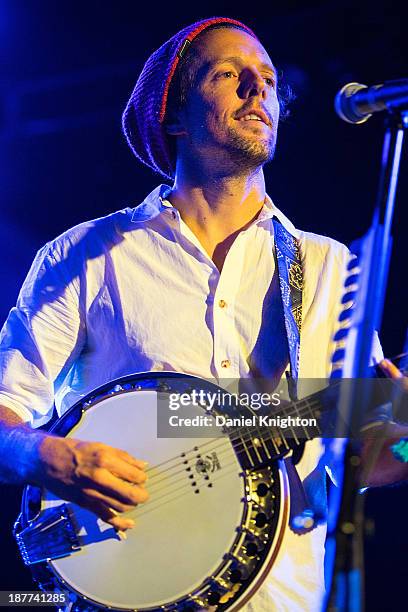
(200, 468)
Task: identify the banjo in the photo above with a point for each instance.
(229, 492)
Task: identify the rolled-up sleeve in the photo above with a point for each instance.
(41, 338)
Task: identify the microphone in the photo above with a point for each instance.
(355, 103)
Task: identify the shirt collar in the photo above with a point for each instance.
(269, 211)
(155, 204)
(152, 206)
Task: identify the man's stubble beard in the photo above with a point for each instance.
(233, 153)
(250, 152)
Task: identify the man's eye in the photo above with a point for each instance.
(269, 81)
(227, 74)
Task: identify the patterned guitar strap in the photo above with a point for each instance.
(289, 266)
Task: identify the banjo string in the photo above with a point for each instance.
(188, 481)
(307, 409)
(151, 507)
(240, 439)
(169, 487)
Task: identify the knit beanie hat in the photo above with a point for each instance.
(145, 113)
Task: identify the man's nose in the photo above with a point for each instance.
(253, 84)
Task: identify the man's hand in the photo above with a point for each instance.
(98, 477)
(391, 371)
(384, 468)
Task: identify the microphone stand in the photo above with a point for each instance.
(344, 546)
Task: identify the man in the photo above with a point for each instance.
(185, 282)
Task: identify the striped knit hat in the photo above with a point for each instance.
(144, 115)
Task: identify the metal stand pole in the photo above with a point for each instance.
(346, 510)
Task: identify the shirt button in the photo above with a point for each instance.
(225, 363)
(222, 304)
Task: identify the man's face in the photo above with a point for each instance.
(232, 112)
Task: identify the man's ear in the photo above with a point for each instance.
(174, 124)
(175, 128)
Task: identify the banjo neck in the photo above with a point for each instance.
(263, 439)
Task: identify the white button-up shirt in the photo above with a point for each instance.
(135, 291)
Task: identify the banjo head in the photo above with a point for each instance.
(190, 537)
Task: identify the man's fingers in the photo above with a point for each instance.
(111, 471)
(118, 462)
(394, 373)
(109, 515)
(119, 523)
(120, 468)
(93, 495)
(139, 463)
(390, 369)
(115, 487)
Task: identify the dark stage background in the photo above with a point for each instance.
(67, 69)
